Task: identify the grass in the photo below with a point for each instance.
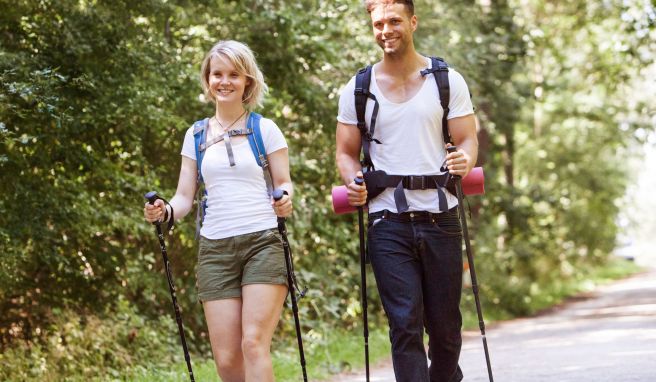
(340, 351)
(558, 293)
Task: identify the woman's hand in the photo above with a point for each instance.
(155, 212)
(283, 207)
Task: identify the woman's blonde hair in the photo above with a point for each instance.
(242, 57)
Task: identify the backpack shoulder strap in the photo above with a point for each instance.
(440, 70)
(255, 139)
(200, 136)
(257, 147)
(362, 94)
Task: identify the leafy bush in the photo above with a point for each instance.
(95, 347)
(95, 98)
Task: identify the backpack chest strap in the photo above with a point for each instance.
(378, 181)
(229, 133)
(415, 182)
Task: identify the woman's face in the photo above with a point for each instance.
(226, 84)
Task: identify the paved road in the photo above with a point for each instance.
(608, 335)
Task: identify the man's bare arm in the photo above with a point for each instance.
(463, 132)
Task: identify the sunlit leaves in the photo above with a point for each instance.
(95, 98)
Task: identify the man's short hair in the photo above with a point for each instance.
(409, 4)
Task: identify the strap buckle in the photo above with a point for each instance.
(414, 182)
(360, 90)
(264, 161)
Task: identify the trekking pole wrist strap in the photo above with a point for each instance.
(169, 217)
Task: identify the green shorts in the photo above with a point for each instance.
(225, 265)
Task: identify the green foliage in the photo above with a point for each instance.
(94, 347)
(82, 90)
(553, 110)
(95, 98)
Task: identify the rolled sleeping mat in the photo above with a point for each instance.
(472, 184)
(340, 201)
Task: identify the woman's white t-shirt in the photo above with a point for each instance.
(410, 134)
(237, 199)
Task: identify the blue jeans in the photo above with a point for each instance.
(417, 262)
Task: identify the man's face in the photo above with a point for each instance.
(393, 27)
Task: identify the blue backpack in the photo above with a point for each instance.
(254, 134)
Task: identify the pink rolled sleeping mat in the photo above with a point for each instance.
(472, 184)
(340, 201)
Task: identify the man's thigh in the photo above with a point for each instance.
(441, 256)
(397, 268)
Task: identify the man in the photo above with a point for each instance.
(415, 246)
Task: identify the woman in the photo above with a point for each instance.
(241, 274)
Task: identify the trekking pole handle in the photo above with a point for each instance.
(152, 197)
(278, 194)
(452, 149)
(359, 181)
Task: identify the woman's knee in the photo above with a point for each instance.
(254, 347)
(229, 362)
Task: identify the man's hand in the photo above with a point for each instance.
(458, 162)
(357, 193)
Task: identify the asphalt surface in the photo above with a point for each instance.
(606, 335)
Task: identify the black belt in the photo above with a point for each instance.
(412, 216)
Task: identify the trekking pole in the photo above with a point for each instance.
(152, 197)
(472, 270)
(363, 279)
(293, 284)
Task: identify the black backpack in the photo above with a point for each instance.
(377, 181)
